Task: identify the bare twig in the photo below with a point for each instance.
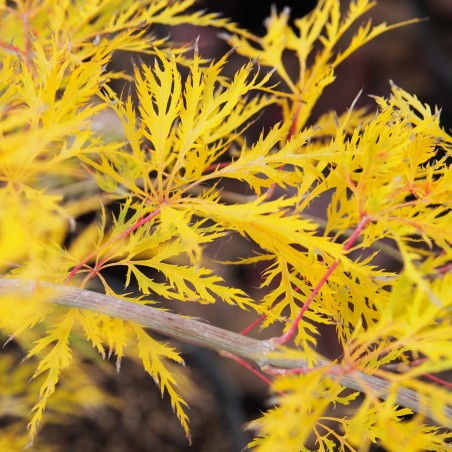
(259, 352)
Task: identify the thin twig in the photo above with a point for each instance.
(185, 329)
(290, 333)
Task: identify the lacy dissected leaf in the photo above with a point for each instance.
(326, 25)
(153, 354)
(380, 422)
(345, 300)
(291, 292)
(44, 130)
(354, 300)
(186, 283)
(267, 224)
(56, 360)
(307, 400)
(153, 250)
(208, 113)
(263, 165)
(107, 24)
(410, 322)
(296, 274)
(188, 125)
(300, 412)
(405, 192)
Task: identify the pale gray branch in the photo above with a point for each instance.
(208, 336)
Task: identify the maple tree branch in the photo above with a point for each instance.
(259, 352)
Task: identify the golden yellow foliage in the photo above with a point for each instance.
(387, 177)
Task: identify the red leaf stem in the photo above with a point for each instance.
(140, 222)
(216, 166)
(289, 334)
(248, 366)
(123, 234)
(293, 127)
(438, 380)
(253, 325)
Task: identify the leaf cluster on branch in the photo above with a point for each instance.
(384, 172)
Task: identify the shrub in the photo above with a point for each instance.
(385, 176)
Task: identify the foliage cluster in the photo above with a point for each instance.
(385, 175)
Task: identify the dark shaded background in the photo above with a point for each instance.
(419, 59)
